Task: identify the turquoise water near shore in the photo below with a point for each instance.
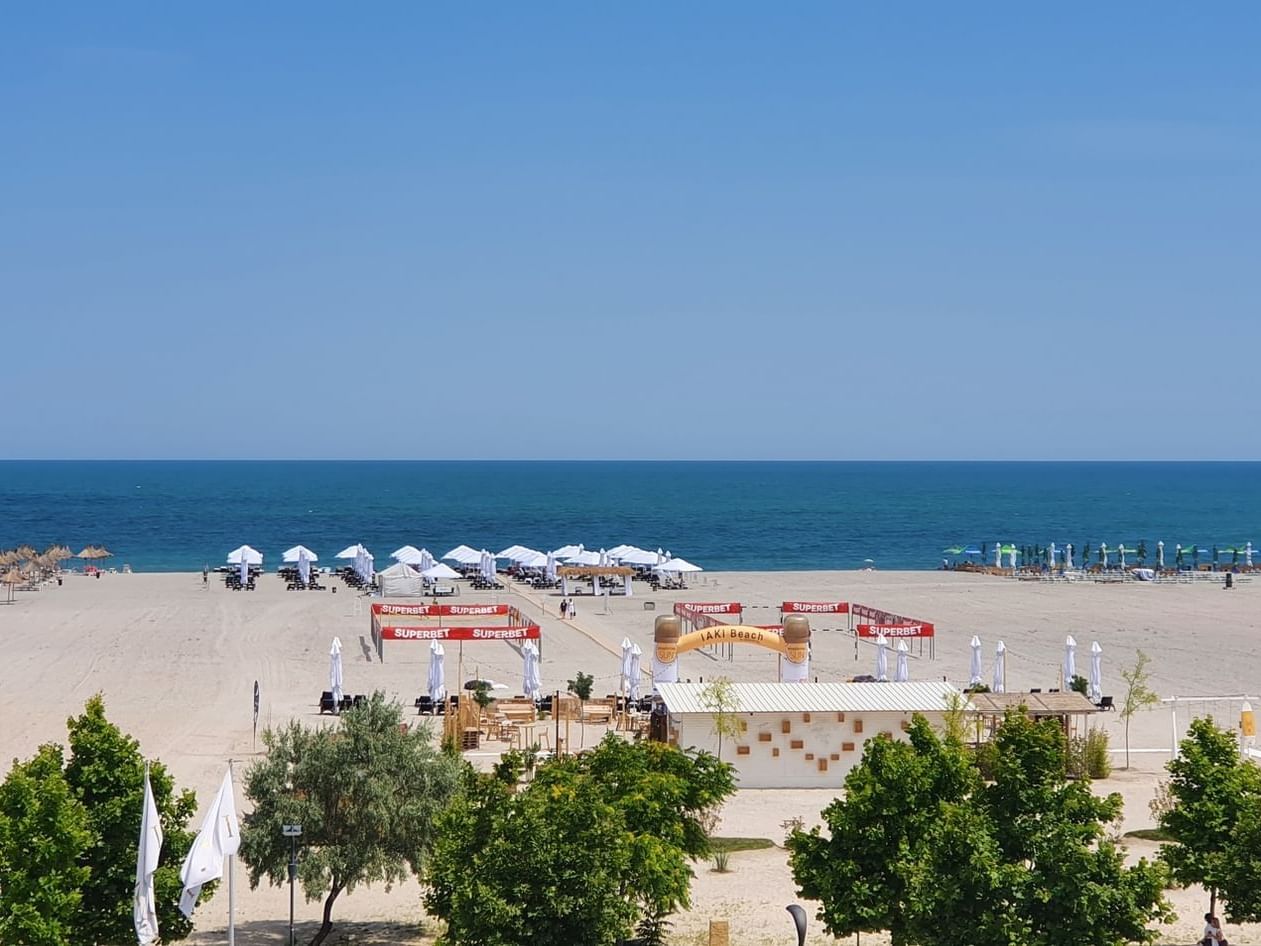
(178, 515)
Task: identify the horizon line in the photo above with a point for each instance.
(628, 460)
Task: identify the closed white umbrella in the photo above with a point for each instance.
(627, 649)
(1160, 554)
(304, 567)
(335, 673)
(1096, 672)
(1070, 661)
(975, 671)
(549, 569)
(1050, 555)
(998, 554)
(636, 659)
(245, 572)
(595, 585)
(437, 673)
(426, 560)
(530, 682)
(1247, 554)
(882, 659)
(1103, 553)
(902, 672)
(1068, 556)
(1000, 668)
(1121, 554)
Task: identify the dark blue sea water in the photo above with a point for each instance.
(176, 515)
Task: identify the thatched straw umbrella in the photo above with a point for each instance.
(12, 578)
(7, 558)
(26, 552)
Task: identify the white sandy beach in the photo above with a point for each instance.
(177, 662)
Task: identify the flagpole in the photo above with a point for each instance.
(232, 878)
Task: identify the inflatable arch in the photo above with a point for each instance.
(792, 643)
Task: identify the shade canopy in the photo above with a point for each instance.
(584, 557)
(533, 560)
(440, 570)
(246, 554)
(295, 553)
(637, 557)
(408, 555)
(566, 550)
(350, 551)
(464, 555)
(678, 565)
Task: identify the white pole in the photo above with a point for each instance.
(1173, 716)
(231, 876)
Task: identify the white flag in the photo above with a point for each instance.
(144, 909)
(218, 838)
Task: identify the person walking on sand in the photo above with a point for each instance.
(564, 608)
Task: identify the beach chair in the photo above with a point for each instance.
(1106, 704)
(326, 701)
(424, 705)
(359, 700)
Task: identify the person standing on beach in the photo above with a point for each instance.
(564, 608)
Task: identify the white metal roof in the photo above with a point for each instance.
(921, 696)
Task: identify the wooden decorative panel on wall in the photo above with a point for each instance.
(785, 726)
(805, 717)
(742, 750)
(858, 725)
(796, 744)
(775, 753)
(764, 737)
(847, 747)
(840, 717)
(823, 764)
(835, 757)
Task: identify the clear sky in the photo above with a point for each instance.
(674, 230)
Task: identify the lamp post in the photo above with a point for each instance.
(292, 832)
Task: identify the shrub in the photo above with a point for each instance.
(1079, 684)
(722, 862)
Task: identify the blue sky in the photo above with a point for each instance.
(701, 230)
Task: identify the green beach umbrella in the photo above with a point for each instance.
(953, 550)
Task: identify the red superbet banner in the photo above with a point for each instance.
(895, 630)
(440, 610)
(520, 633)
(708, 607)
(815, 607)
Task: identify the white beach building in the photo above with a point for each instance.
(802, 735)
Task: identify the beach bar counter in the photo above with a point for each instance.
(801, 735)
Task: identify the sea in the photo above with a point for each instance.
(723, 516)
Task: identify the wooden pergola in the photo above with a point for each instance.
(594, 571)
(1072, 709)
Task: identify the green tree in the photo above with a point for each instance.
(1138, 694)
(720, 699)
(580, 686)
(367, 794)
(105, 773)
(1215, 797)
(43, 836)
(597, 841)
(921, 847)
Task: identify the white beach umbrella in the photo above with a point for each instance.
(637, 656)
(998, 554)
(426, 560)
(882, 659)
(1070, 661)
(292, 555)
(660, 557)
(584, 558)
(350, 551)
(975, 671)
(1096, 672)
(902, 671)
(1103, 553)
(1068, 556)
(245, 571)
(534, 560)
(549, 570)
(1247, 554)
(304, 567)
(335, 672)
(245, 554)
(408, 555)
(1160, 554)
(678, 565)
(627, 649)
(1121, 554)
(618, 551)
(510, 552)
(595, 585)
(437, 673)
(439, 571)
(1177, 552)
(638, 557)
(563, 553)
(1050, 554)
(462, 554)
(626, 587)
(531, 685)
(1000, 668)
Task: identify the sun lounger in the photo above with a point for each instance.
(326, 702)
